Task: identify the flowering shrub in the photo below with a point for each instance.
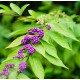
(37, 39)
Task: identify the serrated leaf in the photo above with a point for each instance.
(22, 76)
(61, 40)
(2, 10)
(37, 67)
(51, 59)
(68, 33)
(16, 42)
(15, 8)
(23, 8)
(50, 49)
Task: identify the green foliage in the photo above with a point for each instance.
(58, 48)
(16, 42)
(22, 76)
(16, 9)
(37, 67)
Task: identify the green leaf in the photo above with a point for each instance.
(13, 74)
(37, 67)
(23, 8)
(67, 32)
(15, 8)
(2, 10)
(13, 53)
(46, 5)
(34, 14)
(46, 37)
(77, 59)
(61, 40)
(22, 76)
(5, 7)
(39, 48)
(50, 49)
(16, 42)
(77, 30)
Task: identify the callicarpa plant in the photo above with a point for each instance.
(36, 42)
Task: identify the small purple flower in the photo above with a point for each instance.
(31, 31)
(48, 27)
(41, 33)
(6, 71)
(1, 73)
(35, 29)
(35, 39)
(30, 48)
(9, 65)
(26, 39)
(20, 56)
(22, 66)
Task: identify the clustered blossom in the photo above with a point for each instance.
(40, 32)
(6, 71)
(35, 39)
(25, 40)
(22, 66)
(35, 33)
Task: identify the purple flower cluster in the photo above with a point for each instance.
(35, 33)
(22, 66)
(35, 39)
(25, 40)
(36, 30)
(6, 71)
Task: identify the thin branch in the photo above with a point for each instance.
(10, 15)
(27, 58)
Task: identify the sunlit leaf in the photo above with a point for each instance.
(61, 40)
(16, 42)
(51, 59)
(23, 8)
(68, 33)
(22, 76)
(15, 8)
(37, 67)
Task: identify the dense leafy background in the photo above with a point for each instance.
(70, 58)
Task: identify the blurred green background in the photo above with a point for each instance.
(9, 24)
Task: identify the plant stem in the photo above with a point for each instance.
(10, 15)
(27, 58)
